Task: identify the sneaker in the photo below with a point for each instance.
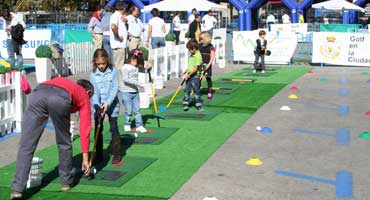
(141, 129)
(200, 109)
(66, 188)
(254, 71)
(127, 128)
(16, 195)
(263, 71)
(186, 108)
(209, 95)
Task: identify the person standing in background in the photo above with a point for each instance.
(105, 22)
(209, 22)
(11, 20)
(135, 28)
(177, 26)
(285, 18)
(95, 27)
(156, 30)
(300, 17)
(270, 20)
(191, 18)
(194, 28)
(118, 35)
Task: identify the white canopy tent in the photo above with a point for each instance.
(337, 5)
(185, 5)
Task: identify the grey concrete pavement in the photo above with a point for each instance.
(226, 176)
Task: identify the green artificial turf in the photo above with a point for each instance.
(283, 75)
(180, 155)
(43, 195)
(176, 112)
(160, 135)
(130, 168)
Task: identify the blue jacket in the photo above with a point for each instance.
(105, 88)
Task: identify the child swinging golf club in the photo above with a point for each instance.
(104, 77)
(192, 76)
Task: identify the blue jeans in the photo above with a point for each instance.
(158, 42)
(131, 101)
(192, 83)
(14, 48)
(106, 46)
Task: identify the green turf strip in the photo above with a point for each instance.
(160, 135)
(176, 112)
(42, 195)
(180, 156)
(130, 168)
(283, 75)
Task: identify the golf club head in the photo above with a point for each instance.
(162, 108)
(93, 172)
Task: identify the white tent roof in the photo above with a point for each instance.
(337, 5)
(188, 5)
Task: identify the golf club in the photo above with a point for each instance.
(162, 108)
(153, 93)
(97, 133)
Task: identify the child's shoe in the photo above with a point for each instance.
(127, 128)
(200, 109)
(186, 108)
(209, 95)
(16, 195)
(141, 129)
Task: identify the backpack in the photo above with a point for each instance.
(17, 34)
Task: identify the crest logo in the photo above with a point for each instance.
(329, 49)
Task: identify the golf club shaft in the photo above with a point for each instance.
(174, 95)
(97, 133)
(153, 93)
(154, 98)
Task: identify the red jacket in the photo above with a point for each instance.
(80, 102)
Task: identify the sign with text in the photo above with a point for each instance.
(281, 44)
(349, 49)
(35, 38)
(299, 28)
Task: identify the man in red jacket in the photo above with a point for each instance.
(57, 99)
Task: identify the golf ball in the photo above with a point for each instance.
(258, 128)
(136, 135)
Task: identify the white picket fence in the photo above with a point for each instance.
(168, 62)
(11, 103)
(78, 56)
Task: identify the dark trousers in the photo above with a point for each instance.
(209, 83)
(257, 58)
(192, 83)
(44, 102)
(177, 34)
(99, 143)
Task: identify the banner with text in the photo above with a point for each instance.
(281, 44)
(299, 28)
(35, 38)
(349, 49)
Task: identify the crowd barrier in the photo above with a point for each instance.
(11, 103)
